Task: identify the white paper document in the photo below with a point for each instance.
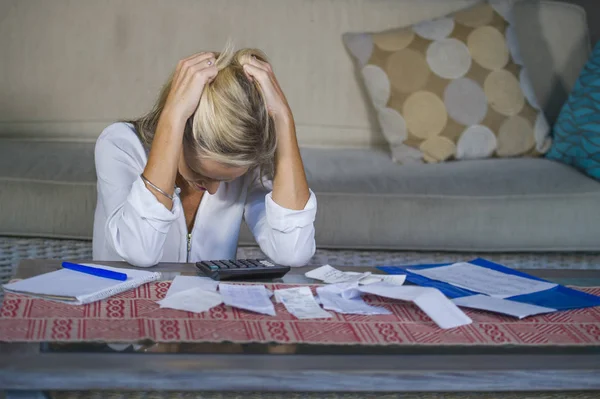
(331, 275)
(499, 305)
(196, 300)
(332, 300)
(254, 298)
(483, 280)
(396, 279)
(430, 300)
(184, 283)
(78, 288)
(345, 290)
(301, 303)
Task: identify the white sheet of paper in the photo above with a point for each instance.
(196, 300)
(499, 305)
(184, 283)
(254, 298)
(345, 290)
(335, 302)
(397, 279)
(331, 275)
(483, 280)
(430, 300)
(301, 303)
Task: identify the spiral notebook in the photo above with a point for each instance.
(78, 288)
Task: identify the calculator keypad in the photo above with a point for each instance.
(241, 269)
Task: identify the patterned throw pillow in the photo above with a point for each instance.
(577, 129)
(452, 88)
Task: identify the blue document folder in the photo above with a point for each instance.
(559, 297)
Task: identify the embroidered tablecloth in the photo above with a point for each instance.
(134, 316)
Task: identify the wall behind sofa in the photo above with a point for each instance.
(68, 68)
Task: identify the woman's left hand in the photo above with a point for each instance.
(262, 73)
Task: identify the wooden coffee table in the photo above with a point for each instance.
(28, 369)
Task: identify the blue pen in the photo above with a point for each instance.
(94, 271)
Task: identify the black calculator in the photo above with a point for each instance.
(241, 269)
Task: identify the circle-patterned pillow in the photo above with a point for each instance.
(452, 88)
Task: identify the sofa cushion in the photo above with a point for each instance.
(47, 189)
(452, 88)
(365, 200)
(577, 130)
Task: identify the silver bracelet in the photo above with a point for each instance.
(148, 182)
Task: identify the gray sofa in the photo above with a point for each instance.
(49, 122)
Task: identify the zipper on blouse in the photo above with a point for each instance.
(189, 246)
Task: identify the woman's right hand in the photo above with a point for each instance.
(188, 82)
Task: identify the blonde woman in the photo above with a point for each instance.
(219, 145)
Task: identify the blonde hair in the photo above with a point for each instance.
(231, 124)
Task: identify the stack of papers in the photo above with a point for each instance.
(505, 306)
(483, 280)
(493, 288)
(78, 288)
(343, 295)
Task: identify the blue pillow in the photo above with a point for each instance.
(577, 130)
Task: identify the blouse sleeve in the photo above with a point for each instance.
(286, 236)
(137, 223)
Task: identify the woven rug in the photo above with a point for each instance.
(13, 250)
(135, 316)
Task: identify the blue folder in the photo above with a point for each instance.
(559, 297)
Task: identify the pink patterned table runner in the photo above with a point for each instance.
(135, 316)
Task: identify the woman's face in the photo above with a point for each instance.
(207, 174)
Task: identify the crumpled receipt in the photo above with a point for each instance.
(255, 298)
(183, 283)
(195, 300)
(345, 298)
(301, 303)
(331, 275)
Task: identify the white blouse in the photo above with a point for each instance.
(131, 224)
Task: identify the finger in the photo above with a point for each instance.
(259, 74)
(203, 63)
(187, 74)
(204, 74)
(195, 59)
(199, 66)
(265, 66)
(260, 64)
